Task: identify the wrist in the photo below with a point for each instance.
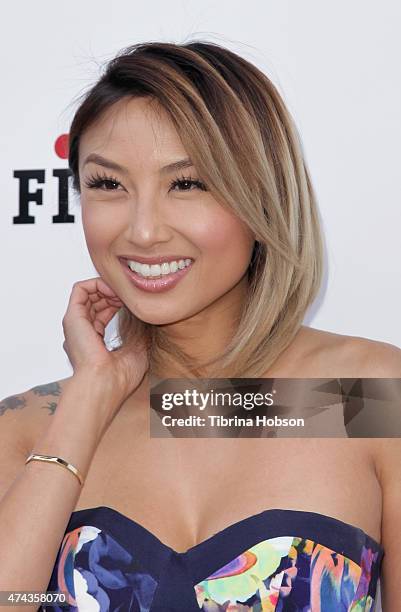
(99, 380)
(91, 398)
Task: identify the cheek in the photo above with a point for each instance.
(98, 228)
(225, 242)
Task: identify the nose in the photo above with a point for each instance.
(146, 224)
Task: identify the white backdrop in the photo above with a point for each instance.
(337, 67)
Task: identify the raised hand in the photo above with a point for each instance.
(91, 307)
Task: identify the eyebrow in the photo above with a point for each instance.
(108, 163)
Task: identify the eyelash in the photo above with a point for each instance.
(96, 181)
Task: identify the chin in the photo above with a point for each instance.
(158, 318)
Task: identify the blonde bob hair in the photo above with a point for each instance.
(242, 139)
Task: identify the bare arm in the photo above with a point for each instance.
(389, 473)
(383, 360)
(36, 507)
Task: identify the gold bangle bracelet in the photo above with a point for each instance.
(53, 459)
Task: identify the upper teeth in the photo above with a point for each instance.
(158, 269)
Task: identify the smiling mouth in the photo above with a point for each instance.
(156, 283)
(157, 270)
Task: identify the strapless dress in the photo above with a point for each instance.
(277, 560)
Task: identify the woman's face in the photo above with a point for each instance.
(144, 210)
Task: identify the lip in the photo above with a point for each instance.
(154, 260)
(155, 285)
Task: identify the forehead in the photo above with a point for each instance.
(136, 129)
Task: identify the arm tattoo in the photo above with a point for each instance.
(50, 389)
(54, 389)
(51, 406)
(14, 402)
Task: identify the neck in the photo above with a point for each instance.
(202, 336)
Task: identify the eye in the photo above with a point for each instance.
(110, 183)
(96, 181)
(187, 182)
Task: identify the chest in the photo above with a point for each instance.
(184, 490)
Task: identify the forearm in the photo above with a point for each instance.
(35, 510)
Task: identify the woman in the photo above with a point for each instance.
(201, 221)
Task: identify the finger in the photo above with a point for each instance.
(99, 305)
(99, 327)
(96, 314)
(80, 292)
(95, 297)
(106, 315)
(104, 288)
(116, 299)
(89, 289)
(105, 303)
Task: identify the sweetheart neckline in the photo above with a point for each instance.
(233, 526)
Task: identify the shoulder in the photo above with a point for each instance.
(23, 417)
(376, 359)
(24, 403)
(24, 414)
(324, 354)
(388, 470)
